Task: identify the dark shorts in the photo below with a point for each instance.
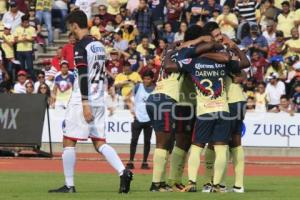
(160, 108)
(185, 119)
(237, 114)
(212, 127)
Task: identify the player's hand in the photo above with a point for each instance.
(227, 41)
(87, 112)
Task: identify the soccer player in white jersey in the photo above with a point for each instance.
(85, 112)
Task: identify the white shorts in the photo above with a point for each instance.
(76, 128)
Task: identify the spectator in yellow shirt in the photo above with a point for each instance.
(2, 8)
(126, 81)
(95, 30)
(129, 31)
(228, 22)
(292, 46)
(7, 46)
(114, 6)
(145, 47)
(24, 37)
(286, 20)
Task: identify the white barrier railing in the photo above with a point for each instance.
(260, 129)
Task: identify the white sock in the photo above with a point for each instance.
(112, 157)
(69, 160)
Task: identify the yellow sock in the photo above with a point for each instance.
(159, 163)
(209, 165)
(220, 163)
(238, 159)
(177, 165)
(179, 174)
(164, 174)
(194, 162)
(223, 181)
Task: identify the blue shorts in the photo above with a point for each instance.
(212, 127)
(185, 119)
(237, 114)
(161, 109)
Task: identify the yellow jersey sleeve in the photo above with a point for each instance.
(187, 91)
(169, 85)
(234, 91)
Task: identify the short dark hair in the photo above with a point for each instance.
(279, 34)
(252, 98)
(40, 73)
(261, 83)
(287, 3)
(29, 83)
(148, 73)
(25, 18)
(145, 37)
(284, 97)
(163, 39)
(192, 33)
(131, 42)
(270, 1)
(127, 64)
(120, 33)
(210, 27)
(78, 17)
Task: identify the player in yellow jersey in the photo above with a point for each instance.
(212, 109)
(184, 114)
(236, 101)
(161, 108)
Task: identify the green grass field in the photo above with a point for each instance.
(34, 186)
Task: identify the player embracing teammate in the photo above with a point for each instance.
(162, 109)
(216, 119)
(237, 107)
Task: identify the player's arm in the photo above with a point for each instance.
(83, 81)
(201, 48)
(207, 47)
(219, 57)
(169, 63)
(244, 61)
(82, 67)
(195, 42)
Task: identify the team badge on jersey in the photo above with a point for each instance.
(186, 61)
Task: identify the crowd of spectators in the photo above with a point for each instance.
(135, 33)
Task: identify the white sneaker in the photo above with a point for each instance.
(223, 189)
(207, 188)
(218, 189)
(238, 189)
